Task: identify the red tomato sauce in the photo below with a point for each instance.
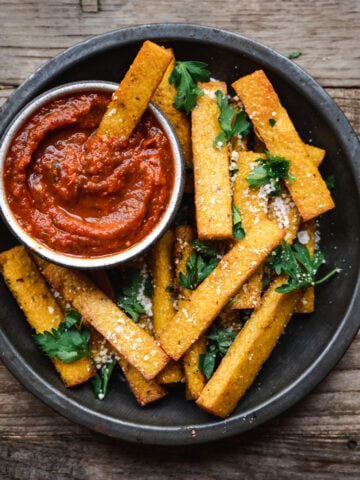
(84, 194)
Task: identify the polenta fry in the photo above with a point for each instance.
(194, 378)
(164, 99)
(40, 308)
(211, 168)
(250, 349)
(162, 301)
(219, 287)
(145, 391)
(131, 99)
(262, 104)
(307, 301)
(253, 208)
(130, 340)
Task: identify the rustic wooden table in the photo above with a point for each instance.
(320, 437)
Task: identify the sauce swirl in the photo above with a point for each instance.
(81, 193)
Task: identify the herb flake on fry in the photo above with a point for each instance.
(231, 122)
(67, 342)
(100, 381)
(270, 171)
(238, 229)
(185, 77)
(298, 265)
(218, 343)
(133, 293)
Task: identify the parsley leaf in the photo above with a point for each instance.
(293, 55)
(134, 287)
(272, 122)
(231, 122)
(330, 182)
(270, 171)
(238, 229)
(218, 343)
(196, 271)
(197, 268)
(185, 76)
(100, 381)
(298, 265)
(67, 342)
(206, 248)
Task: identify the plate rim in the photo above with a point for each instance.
(346, 330)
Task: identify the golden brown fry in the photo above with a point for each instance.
(40, 308)
(316, 154)
(219, 287)
(162, 275)
(164, 99)
(283, 209)
(194, 378)
(249, 351)
(261, 103)
(131, 99)
(130, 340)
(184, 234)
(306, 234)
(145, 391)
(253, 208)
(162, 300)
(211, 168)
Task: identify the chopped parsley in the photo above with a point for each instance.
(298, 265)
(69, 342)
(271, 171)
(185, 76)
(231, 122)
(218, 343)
(134, 289)
(272, 122)
(238, 229)
(293, 55)
(199, 265)
(206, 248)
(100, 381)
(330, 182)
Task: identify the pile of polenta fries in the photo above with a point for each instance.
(169, 350)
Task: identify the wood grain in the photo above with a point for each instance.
(325, 31)
(319, 438)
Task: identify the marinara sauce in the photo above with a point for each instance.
(84, 194)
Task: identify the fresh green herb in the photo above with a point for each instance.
(100, 381)
(298, 265)
(330, 182)
(185, 76)
(272, 122)
(134, 288)
(196, 271)
(68, 342)
(218, 343)
(293, 55)
(169, 289)
(205, 248)
(271, 171)
(238, 229)
(231, 122)
(199, 266)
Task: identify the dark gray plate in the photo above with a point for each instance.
(312, 344)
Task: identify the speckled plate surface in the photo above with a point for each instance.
(311, 345)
